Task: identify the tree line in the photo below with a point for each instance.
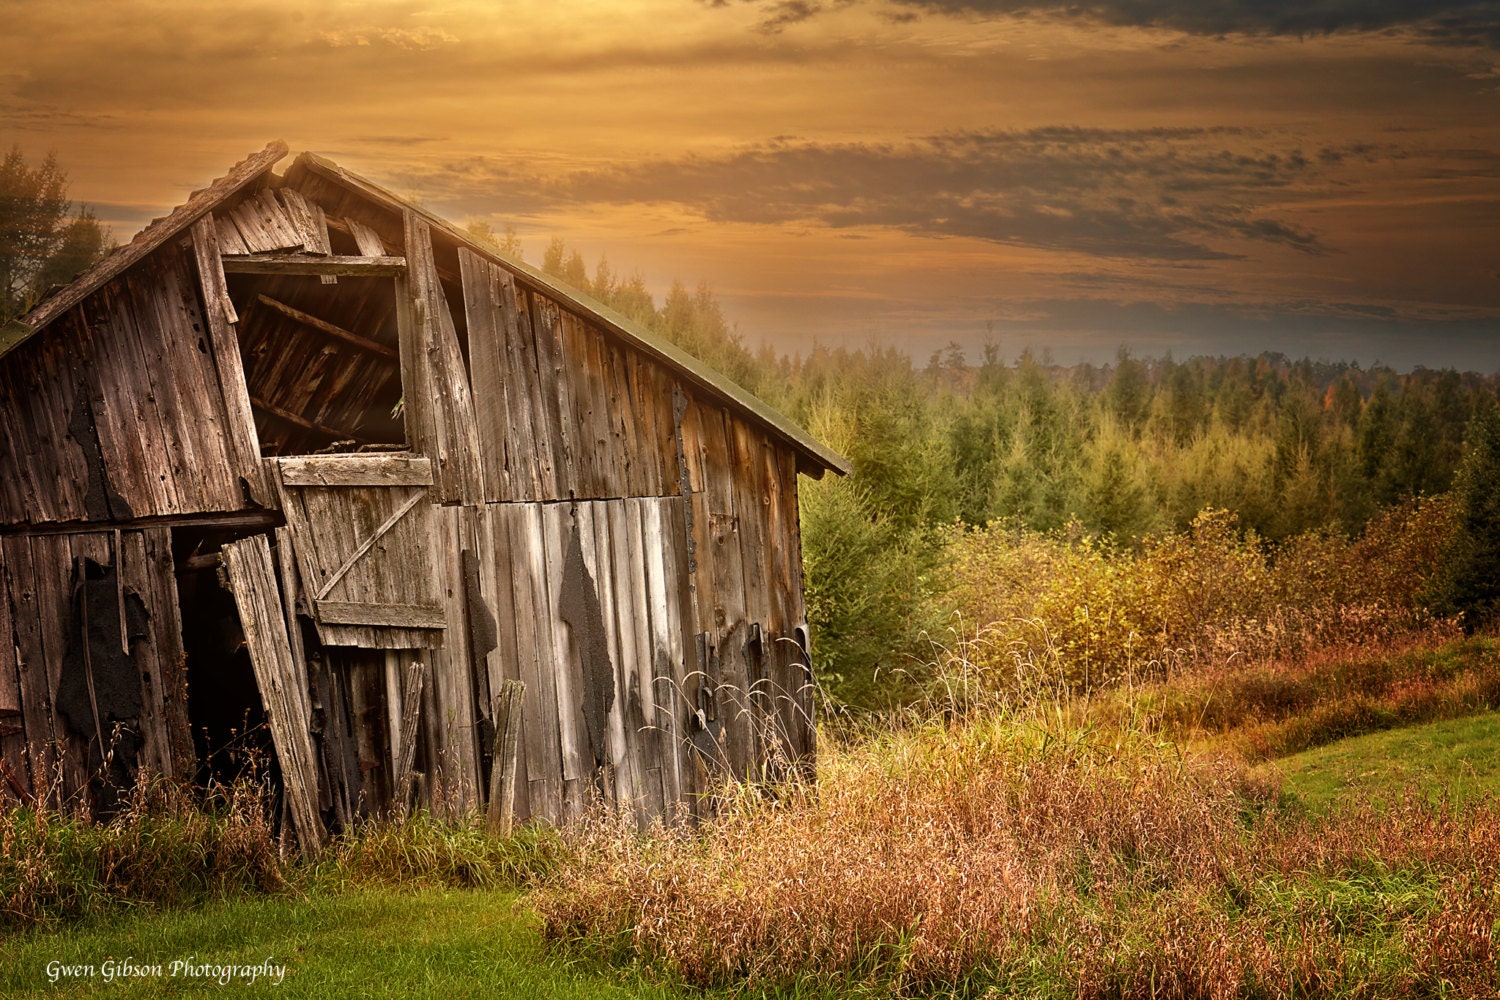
(1116, 454)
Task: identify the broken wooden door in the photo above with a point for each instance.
(364, 532)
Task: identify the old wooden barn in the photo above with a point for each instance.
(305, 460)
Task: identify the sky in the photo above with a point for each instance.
(1316, 177)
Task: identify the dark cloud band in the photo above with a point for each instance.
(1180, 194)
(1469, 22)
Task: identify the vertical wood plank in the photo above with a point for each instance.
(252, 580)
(611, 551)
(412, 682)
(136, 574)
(12, 713)
(52, 563)
(564, 661)
(666, 582)
(527, 406)
(31, 664)
(502, 799)
(452, 669)
(752, 503)
(557, 395)
(219, 314)
(632, 588)
(682, 631)
(499, 582)
(534, 628)
(448, 407)
(483, 298)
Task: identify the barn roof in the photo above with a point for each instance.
(252, 168)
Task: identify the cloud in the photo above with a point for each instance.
(1170, 194)
(1465, 22)
(785, 12)
(422, 39)
(1091, 326)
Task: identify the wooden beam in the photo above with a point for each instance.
(356, 470)
(219, 311)
(229, 520)
(282, 681)
(338, 332)
(296, 263)
(336, 433)
(390, 615)
(411, 713)
(501, 813)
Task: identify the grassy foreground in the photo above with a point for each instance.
(1155, 843)
(368, 943)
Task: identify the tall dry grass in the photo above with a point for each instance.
(173, 845)
(1044, 861)
(165, 845)
(1261, 710)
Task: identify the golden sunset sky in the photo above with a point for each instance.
(1320, 178)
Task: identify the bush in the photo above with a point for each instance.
(1470, 583)
(1060, 613)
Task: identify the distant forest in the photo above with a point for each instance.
(1118, 455)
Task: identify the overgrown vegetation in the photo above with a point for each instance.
(1090, 604)
(171, 846)
(1044, 860)
(1070, 620)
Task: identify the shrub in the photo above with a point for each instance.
(1066, 613)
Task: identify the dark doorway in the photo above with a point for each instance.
(230, 735)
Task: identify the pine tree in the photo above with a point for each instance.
(1469, 580)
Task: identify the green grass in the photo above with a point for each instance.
(1458, 758)
(372, 943)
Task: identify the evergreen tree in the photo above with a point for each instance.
(1470, 583)
(39, 246)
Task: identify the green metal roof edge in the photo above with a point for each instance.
(697, 371)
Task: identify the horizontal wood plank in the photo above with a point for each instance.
(293, 263)
(356, 470)
(394, 615)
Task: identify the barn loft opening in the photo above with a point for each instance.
(321, 362)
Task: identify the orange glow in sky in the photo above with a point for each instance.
(1159, 174)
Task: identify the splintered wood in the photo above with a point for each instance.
(281, 679)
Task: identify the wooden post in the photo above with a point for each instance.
(411, 711)
(502, 807)
(281, 679)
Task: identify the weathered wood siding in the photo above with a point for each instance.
(45, 629)
(115, 412)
